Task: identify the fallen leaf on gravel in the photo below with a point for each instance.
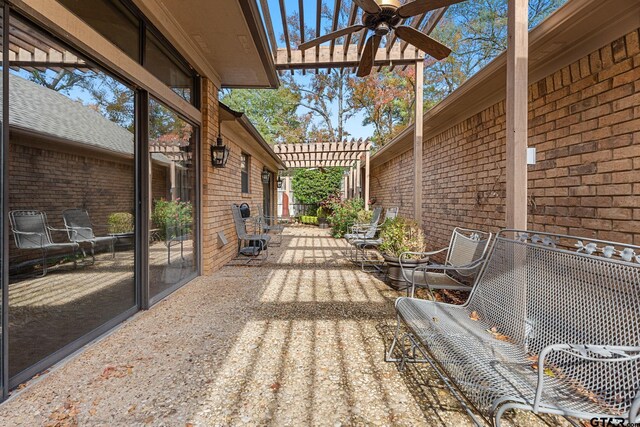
(116, 371)
(132, 408)
(275, 387)
(149, 419)
(92, 411)
(474, 316)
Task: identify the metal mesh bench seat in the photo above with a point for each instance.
(552, 326)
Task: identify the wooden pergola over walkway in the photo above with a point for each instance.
(347, 154)
(396, 52)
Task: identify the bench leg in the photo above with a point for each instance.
(388, 357)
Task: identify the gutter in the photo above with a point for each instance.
(249, 127)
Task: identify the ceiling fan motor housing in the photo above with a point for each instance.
(387, 16)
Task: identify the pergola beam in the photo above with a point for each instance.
(338, 59)
(517, 107)
(269, 24)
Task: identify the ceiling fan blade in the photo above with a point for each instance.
(421, 6)
(368, 56)
(369, 6)
(423, 42)
(330, 36)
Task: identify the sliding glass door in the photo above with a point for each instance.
(71, 200)
(173, 201)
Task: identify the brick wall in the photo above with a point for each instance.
(44, 176)
(222, 187)
(392, 183)
(584, 121)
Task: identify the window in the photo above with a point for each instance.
(111, 19)
(245, 163)
(167, 67)
(120, 24)
(172, 256)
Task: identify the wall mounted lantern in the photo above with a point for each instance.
(219, 154)
(266, 176)
(279, 182)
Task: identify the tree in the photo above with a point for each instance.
(273, 112)
(476, 31)
(312, 186)
(387, 99)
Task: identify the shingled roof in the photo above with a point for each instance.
(35, 108)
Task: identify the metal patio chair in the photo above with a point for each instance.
(358, 230)
(268, 224)
(249, 244)
(464, 258)
(80, 230)
(31, 231)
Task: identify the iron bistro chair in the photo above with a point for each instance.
(464, 258)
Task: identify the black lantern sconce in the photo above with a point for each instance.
(279, 182)
(219, 154)
(266, 176)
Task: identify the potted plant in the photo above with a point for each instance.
(401, 235)
(322, 214)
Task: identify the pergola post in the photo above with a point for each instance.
(517, 106)
(367, 159)
(417, 144)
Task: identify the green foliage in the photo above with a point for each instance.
(272, 112)
(401, 235)
(173, 218)
(120, 222)
(309, 220)
(364, 217)
(311, 187)
(344, 215)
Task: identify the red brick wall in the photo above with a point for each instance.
(584, 121)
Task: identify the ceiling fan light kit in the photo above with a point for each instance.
(384, 16)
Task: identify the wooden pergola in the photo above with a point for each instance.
(347, 154)
(395, 52)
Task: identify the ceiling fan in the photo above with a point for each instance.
(382, 17)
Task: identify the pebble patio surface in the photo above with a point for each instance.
(297, 341)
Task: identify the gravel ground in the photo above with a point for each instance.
(296, 341)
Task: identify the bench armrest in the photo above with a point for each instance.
(593, 353)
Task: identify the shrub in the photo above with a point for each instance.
(120, 223)
(312, 186)
(344, 215)
(364, 217)
(401, 235)
(308, 219)
(173, 218)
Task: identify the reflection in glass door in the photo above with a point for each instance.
(172, 232)
(71, 201)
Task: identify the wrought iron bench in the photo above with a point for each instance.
(552, 326)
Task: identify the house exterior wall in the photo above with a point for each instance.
(584, 121)
(222, 186)
(391, 183)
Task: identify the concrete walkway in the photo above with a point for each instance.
(298, 341)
